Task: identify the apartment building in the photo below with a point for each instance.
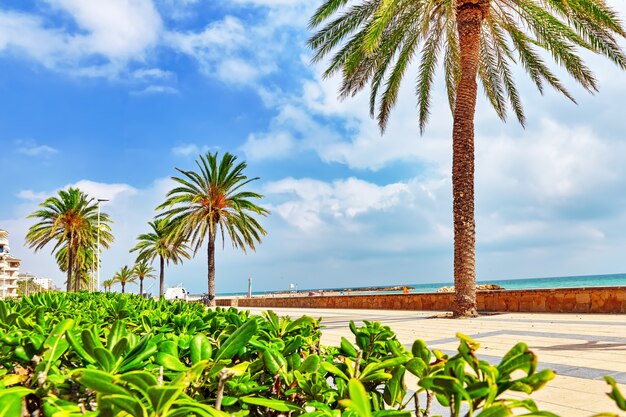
(9, 268)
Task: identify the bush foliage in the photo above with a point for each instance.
(82, 354)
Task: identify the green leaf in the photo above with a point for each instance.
(170, 362)
(77, 346)
(496, 411)
(98, 381)
(127, 403)
(237, 340)
(359, 401)
(347, 348)
(278, 405)
(615, 393)
(417, 367)
(140, 380)
(394, 388)
(386, 364)
(162, 398)
(11, 401)
(200, 348)
(310, 364)
(116, 333)
(104, 359)
(332, 369)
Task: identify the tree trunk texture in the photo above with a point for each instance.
(470, 14)
(211, 265)
(141, 287)
(161, 276)
(123, 285)
(70, 265)
(68, 286)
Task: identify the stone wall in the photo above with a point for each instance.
(560, 300)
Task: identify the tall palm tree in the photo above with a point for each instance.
(107, 284)
(376, 40)
(161, 243)
(124, 276)
(213, 199)
(70, 220)
(142, 270)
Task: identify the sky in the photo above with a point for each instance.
(111, 96)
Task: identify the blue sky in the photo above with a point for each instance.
(111, 96)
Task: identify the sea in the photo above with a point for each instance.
(607, 280)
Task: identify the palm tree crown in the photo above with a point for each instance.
(212, 199)
(124, 276)
(107, 284)
(69, 220)
(376, 41)
(161, 243)
(143, 270)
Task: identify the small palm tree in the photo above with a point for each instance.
(107, 284)
(124, 276)
(161, 243)
(143, 270)
(376, 40)
(70, 220)
(213, 199)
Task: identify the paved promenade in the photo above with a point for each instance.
(580, 348)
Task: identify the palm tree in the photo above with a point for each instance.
(210, 199)
(107, 284)
(84, 262)
(161, 243)
(70, 220)
(376, 40)
(124, 276)
(142, 270)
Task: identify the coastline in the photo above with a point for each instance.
(580, 281)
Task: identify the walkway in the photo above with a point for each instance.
(580, 348)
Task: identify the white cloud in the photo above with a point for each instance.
(153, 74)
(155, 89)
(224, 49)
(191, 149)
(30, 148)
(311, 203)
(32, 196)
(272, 146)
(116, 30)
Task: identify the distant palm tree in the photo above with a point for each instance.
(124, 276)
(161, 243)
(69, 219)
(107, 284)
(376, 41)
(142, 270)
(84, 263)
(213, 199)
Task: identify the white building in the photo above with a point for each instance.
(9, 268)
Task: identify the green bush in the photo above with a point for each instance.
(83, 354)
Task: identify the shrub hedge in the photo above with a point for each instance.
(64, 355)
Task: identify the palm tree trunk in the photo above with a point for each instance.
(211, 264)
(161, 276)
(70, 264)
(140, 286)
(68, 286)
(123, 285)
(470, 14)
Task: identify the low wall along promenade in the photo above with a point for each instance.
(559, 300)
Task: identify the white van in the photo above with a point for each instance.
(176, 293)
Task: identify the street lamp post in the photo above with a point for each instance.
(100, 200)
